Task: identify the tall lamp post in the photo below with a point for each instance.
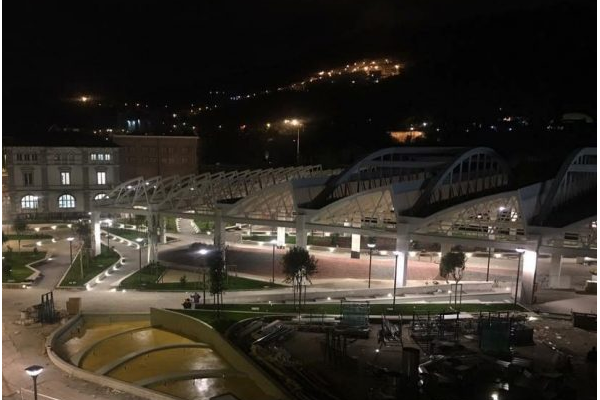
(70, 240)
(520, 251)
(371, 246)
(33, 372)
(274, 243)
(396, 254)
(295, 122)
(139, 242)
(203, 252)
(108, 223)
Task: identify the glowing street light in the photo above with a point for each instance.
(298, 124)
(108, 223)
(33, 372)
(139, 241)
(274, 243)
(520, 251)
(70, 240)
(371, 246)
(396, 254)
(203, 252)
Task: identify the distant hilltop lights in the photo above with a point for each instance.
(370, 71)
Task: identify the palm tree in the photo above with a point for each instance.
(298, 265)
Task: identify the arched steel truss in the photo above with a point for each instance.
(369, 209)
(495, 217)
(463, 188)
(383, 168)
(274, 203)
(197, 193)
(576, 177)
(474, 172)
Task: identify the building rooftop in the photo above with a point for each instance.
(58, 139)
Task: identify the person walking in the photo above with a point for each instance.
(196, 298)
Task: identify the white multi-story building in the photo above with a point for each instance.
(57, 181)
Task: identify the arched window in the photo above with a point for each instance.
(100, 196)
(66, 201)
(29, 202)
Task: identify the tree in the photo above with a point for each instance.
(298, 265)
(453, 263)
(20, 226)
(216, 265)
(84, 233)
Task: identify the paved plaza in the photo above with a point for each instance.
(24, 345)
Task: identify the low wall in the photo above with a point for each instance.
(199, 331)
(101, 380)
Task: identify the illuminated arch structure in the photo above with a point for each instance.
(452, 196)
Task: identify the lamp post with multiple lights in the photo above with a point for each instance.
(520, 251)
(371, 246)
(33, 372)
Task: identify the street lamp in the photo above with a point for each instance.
(396, 254)
(371, 246)
(139, 242)
(520, 251)
(295, 122)
(203, 252)
(33, 372)
(70, 240)
(108, 225)
(274, 243)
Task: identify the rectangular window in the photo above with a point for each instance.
(27, 178)
(65, 178)
(101, 157)
(34, 157)
(107, 157)
(101, 178)
(19, 157)
(93, 157)
(26, 157)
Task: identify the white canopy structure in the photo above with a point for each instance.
(455, 196)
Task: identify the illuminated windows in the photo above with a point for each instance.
(65, 178)
(66, 201)
(29, 202)
(101, 178)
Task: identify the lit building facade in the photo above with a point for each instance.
(57, 182)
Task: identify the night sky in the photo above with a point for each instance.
(174, 51)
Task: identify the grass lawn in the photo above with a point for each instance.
(148, 282)
(232, 313)
(17, 261)
(220, 323)
(26, 236)
(376, 309)
(130, 234)
(97, 264)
